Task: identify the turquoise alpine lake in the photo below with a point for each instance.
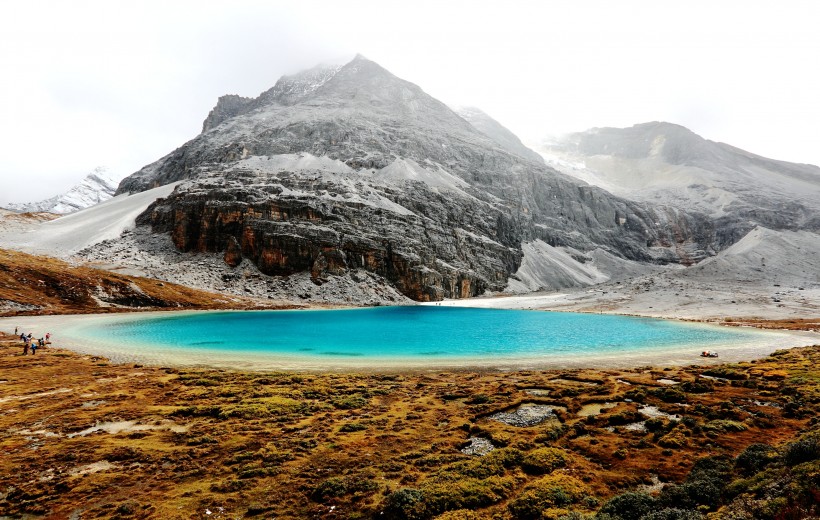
(407, 332)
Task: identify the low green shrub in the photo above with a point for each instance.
(674, 439)
(248, 411)
(253, 471)
(754, 458)
(726, 372)
(725, 425)
(465, 493)
(203, 382)
(543, 460)
(197, 411)
(556, 490)
(349, 402)
(552, 432)
(459, 514)
(494, 463)
(622, 418)
(340, 486)
(229, 486)
(704, 484)
(621, 453)
(332, 487)
(628, 506)
(405, 504)
(673, 495)
(689, 421)
(669, 394)
(673, 513)
(636, 394)
(805, 449)
(697, 386)
(352, 427)
(654, 424)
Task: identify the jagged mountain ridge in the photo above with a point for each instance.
(358, 169)
(287, 91)
(669, 164)
(98, 186)
(327, 121)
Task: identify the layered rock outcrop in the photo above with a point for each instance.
(330, 231)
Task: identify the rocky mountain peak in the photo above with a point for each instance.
(294, 88)
(332, 172)
(674, 143)
(368, 86)
(359, 81)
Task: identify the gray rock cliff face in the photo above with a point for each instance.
(227, 106)
(341, 169)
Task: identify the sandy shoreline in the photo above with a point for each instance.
(662, 298)
(61, 327)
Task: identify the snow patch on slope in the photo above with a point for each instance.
(293, 162)
(545, 267)
(765, 255)
(290, 89)
(71, 233)
(410, 170)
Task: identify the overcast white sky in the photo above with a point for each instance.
(116, 84)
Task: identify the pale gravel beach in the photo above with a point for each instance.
(667, 296)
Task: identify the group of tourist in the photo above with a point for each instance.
(30, 343)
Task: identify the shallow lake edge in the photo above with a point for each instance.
(770, 341)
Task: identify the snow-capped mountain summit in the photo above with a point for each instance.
(98, 186)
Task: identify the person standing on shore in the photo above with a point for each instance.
(33, 348)
(15, 330)
(25, 346)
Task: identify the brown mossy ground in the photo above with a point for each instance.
(328, 445)
(785, 324)
(38, 285)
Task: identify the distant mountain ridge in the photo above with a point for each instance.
(350, 185)
(668, 164)
(98, 186)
